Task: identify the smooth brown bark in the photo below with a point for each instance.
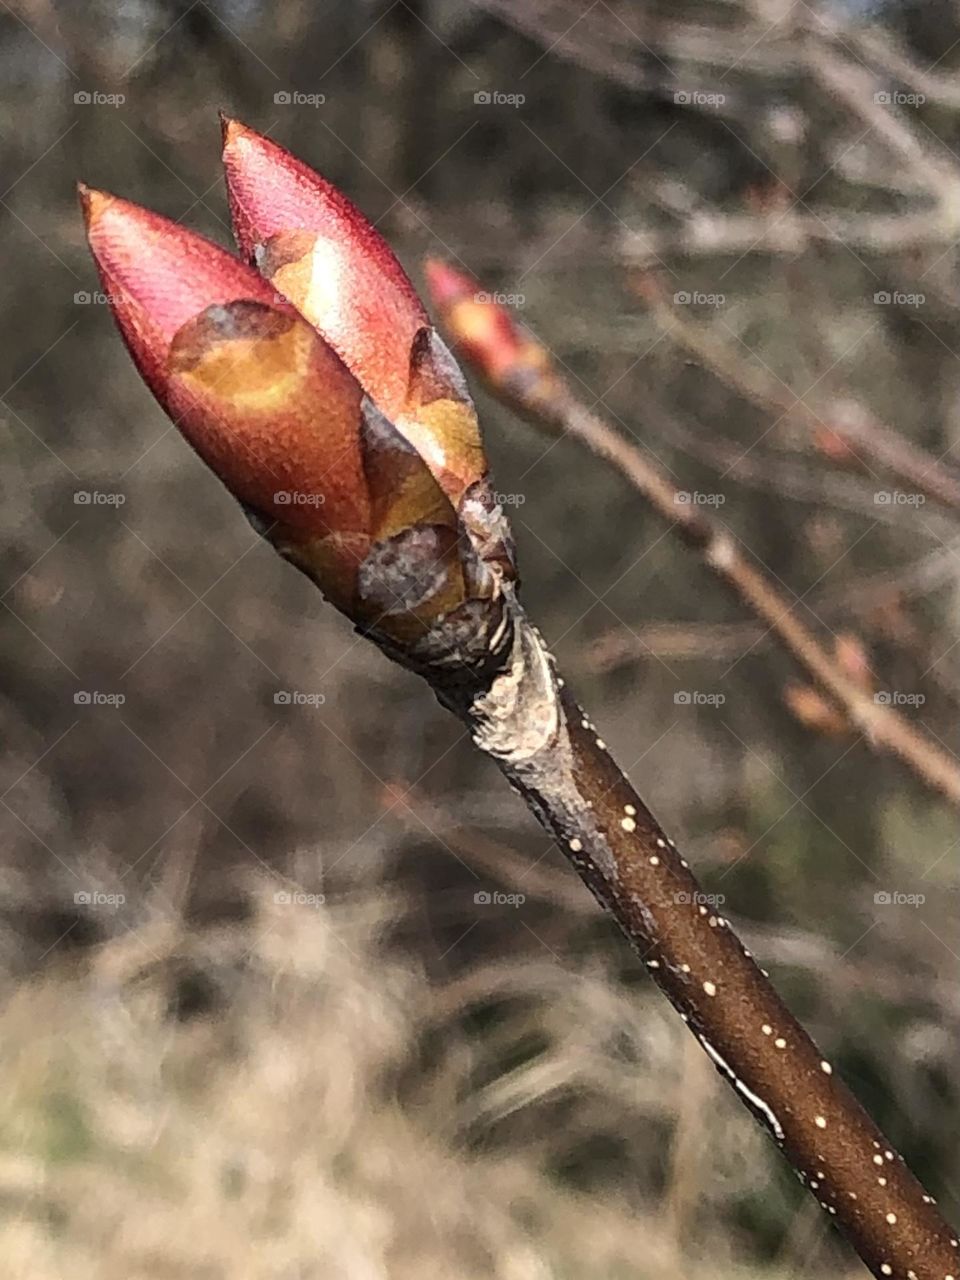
(552, 753)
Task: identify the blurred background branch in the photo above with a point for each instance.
(520, 371)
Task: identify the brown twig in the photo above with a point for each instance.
(550, 751)
(518, 368)
(676, 51)
(858, 90)
(789, 233)
(869, 439)
(881, 725)
(780, 474)
(528, 722)
(726, 641)
(877, 45)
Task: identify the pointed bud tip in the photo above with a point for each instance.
(93, 202)
(232, 130)
(446, 283)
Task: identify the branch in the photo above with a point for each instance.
(530, 725)
(528, 722)
(519, 370)
(878, 45)
(671, 55)
(867, 438)
(857, 89)
(781, 475)
(726, 641)
(790, 233)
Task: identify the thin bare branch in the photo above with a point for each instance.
(868, 438)
(519, 370)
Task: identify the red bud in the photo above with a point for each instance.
(489, 337)
(282, 421)
(321, 252)
(258, 394)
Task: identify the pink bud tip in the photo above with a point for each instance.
(325, 256)
(167, 272)
(254, 388)
(487, 335)
(446, 284)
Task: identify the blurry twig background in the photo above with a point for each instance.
(264, 1013)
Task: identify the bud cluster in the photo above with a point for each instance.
(308, 375)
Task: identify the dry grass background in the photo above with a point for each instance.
(340, 1116)
(203, 1082)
